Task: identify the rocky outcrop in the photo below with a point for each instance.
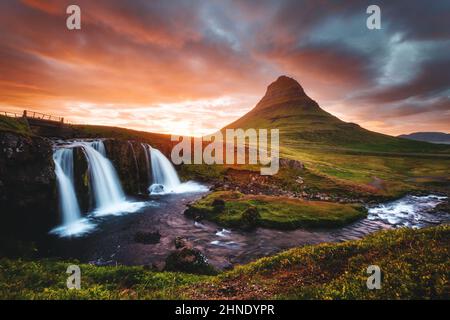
(130, 162)
(188, 259)
(28, 194)
(81, 180)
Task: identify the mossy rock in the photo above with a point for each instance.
(250, 218)
(189, 260)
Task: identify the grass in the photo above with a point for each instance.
(414, 265)
(16, 125)
(274, 212)
(46, 279)
(399, 173)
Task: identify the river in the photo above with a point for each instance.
(112, 242)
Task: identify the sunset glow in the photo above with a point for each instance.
(193, 67)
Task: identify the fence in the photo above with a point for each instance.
(32, 115)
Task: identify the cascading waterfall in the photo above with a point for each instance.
(165, 178)
(99, 146)
(70, 209)
(107, 190)
(146, 148)
(72, 222)
(163, 172)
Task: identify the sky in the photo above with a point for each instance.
(191, 67)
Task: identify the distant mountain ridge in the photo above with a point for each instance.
(433, 137)
(302, 123)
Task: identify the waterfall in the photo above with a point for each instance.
(99, 146)
(107, 191)
(146, 148)
(70, 209)
(165, 178)
(72, 222)
(163, 172)
(106, 186)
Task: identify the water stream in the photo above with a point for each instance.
(114, 241)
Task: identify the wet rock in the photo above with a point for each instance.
(188, 260)
(82, 180)
(129, 161)
(194, 213)
(147, 237)
(28, 198)
(442, 207)
(156, 188)
(250, 218)
(180, 242)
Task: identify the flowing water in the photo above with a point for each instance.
(72, 222)
(109, 198)
(107, 190)
(114, 241)
(164, 176)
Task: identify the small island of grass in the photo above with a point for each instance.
(234, 209)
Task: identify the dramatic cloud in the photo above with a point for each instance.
(194, 66)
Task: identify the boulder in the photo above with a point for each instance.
(188, 260)
(250, 218)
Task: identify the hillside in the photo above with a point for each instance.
(303, 124)
(433, 137)
(340, 153)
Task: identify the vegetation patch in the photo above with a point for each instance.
(414, 265)
(17, 125)
(234, 209)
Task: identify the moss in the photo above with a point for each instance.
(273, 212)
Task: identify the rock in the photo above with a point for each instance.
(293, 164)
(28, 198)
(129, 160)
(156, 188)
(188, 260)
(180, 243)
(250, 218)
(218, 205)
(147, 237)
(194, 213)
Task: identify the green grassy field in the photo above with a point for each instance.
(414, 265)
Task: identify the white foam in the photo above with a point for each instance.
(74, 229)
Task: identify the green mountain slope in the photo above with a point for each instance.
(302, 123)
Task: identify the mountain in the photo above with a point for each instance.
(302, 123)
(433, 137)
